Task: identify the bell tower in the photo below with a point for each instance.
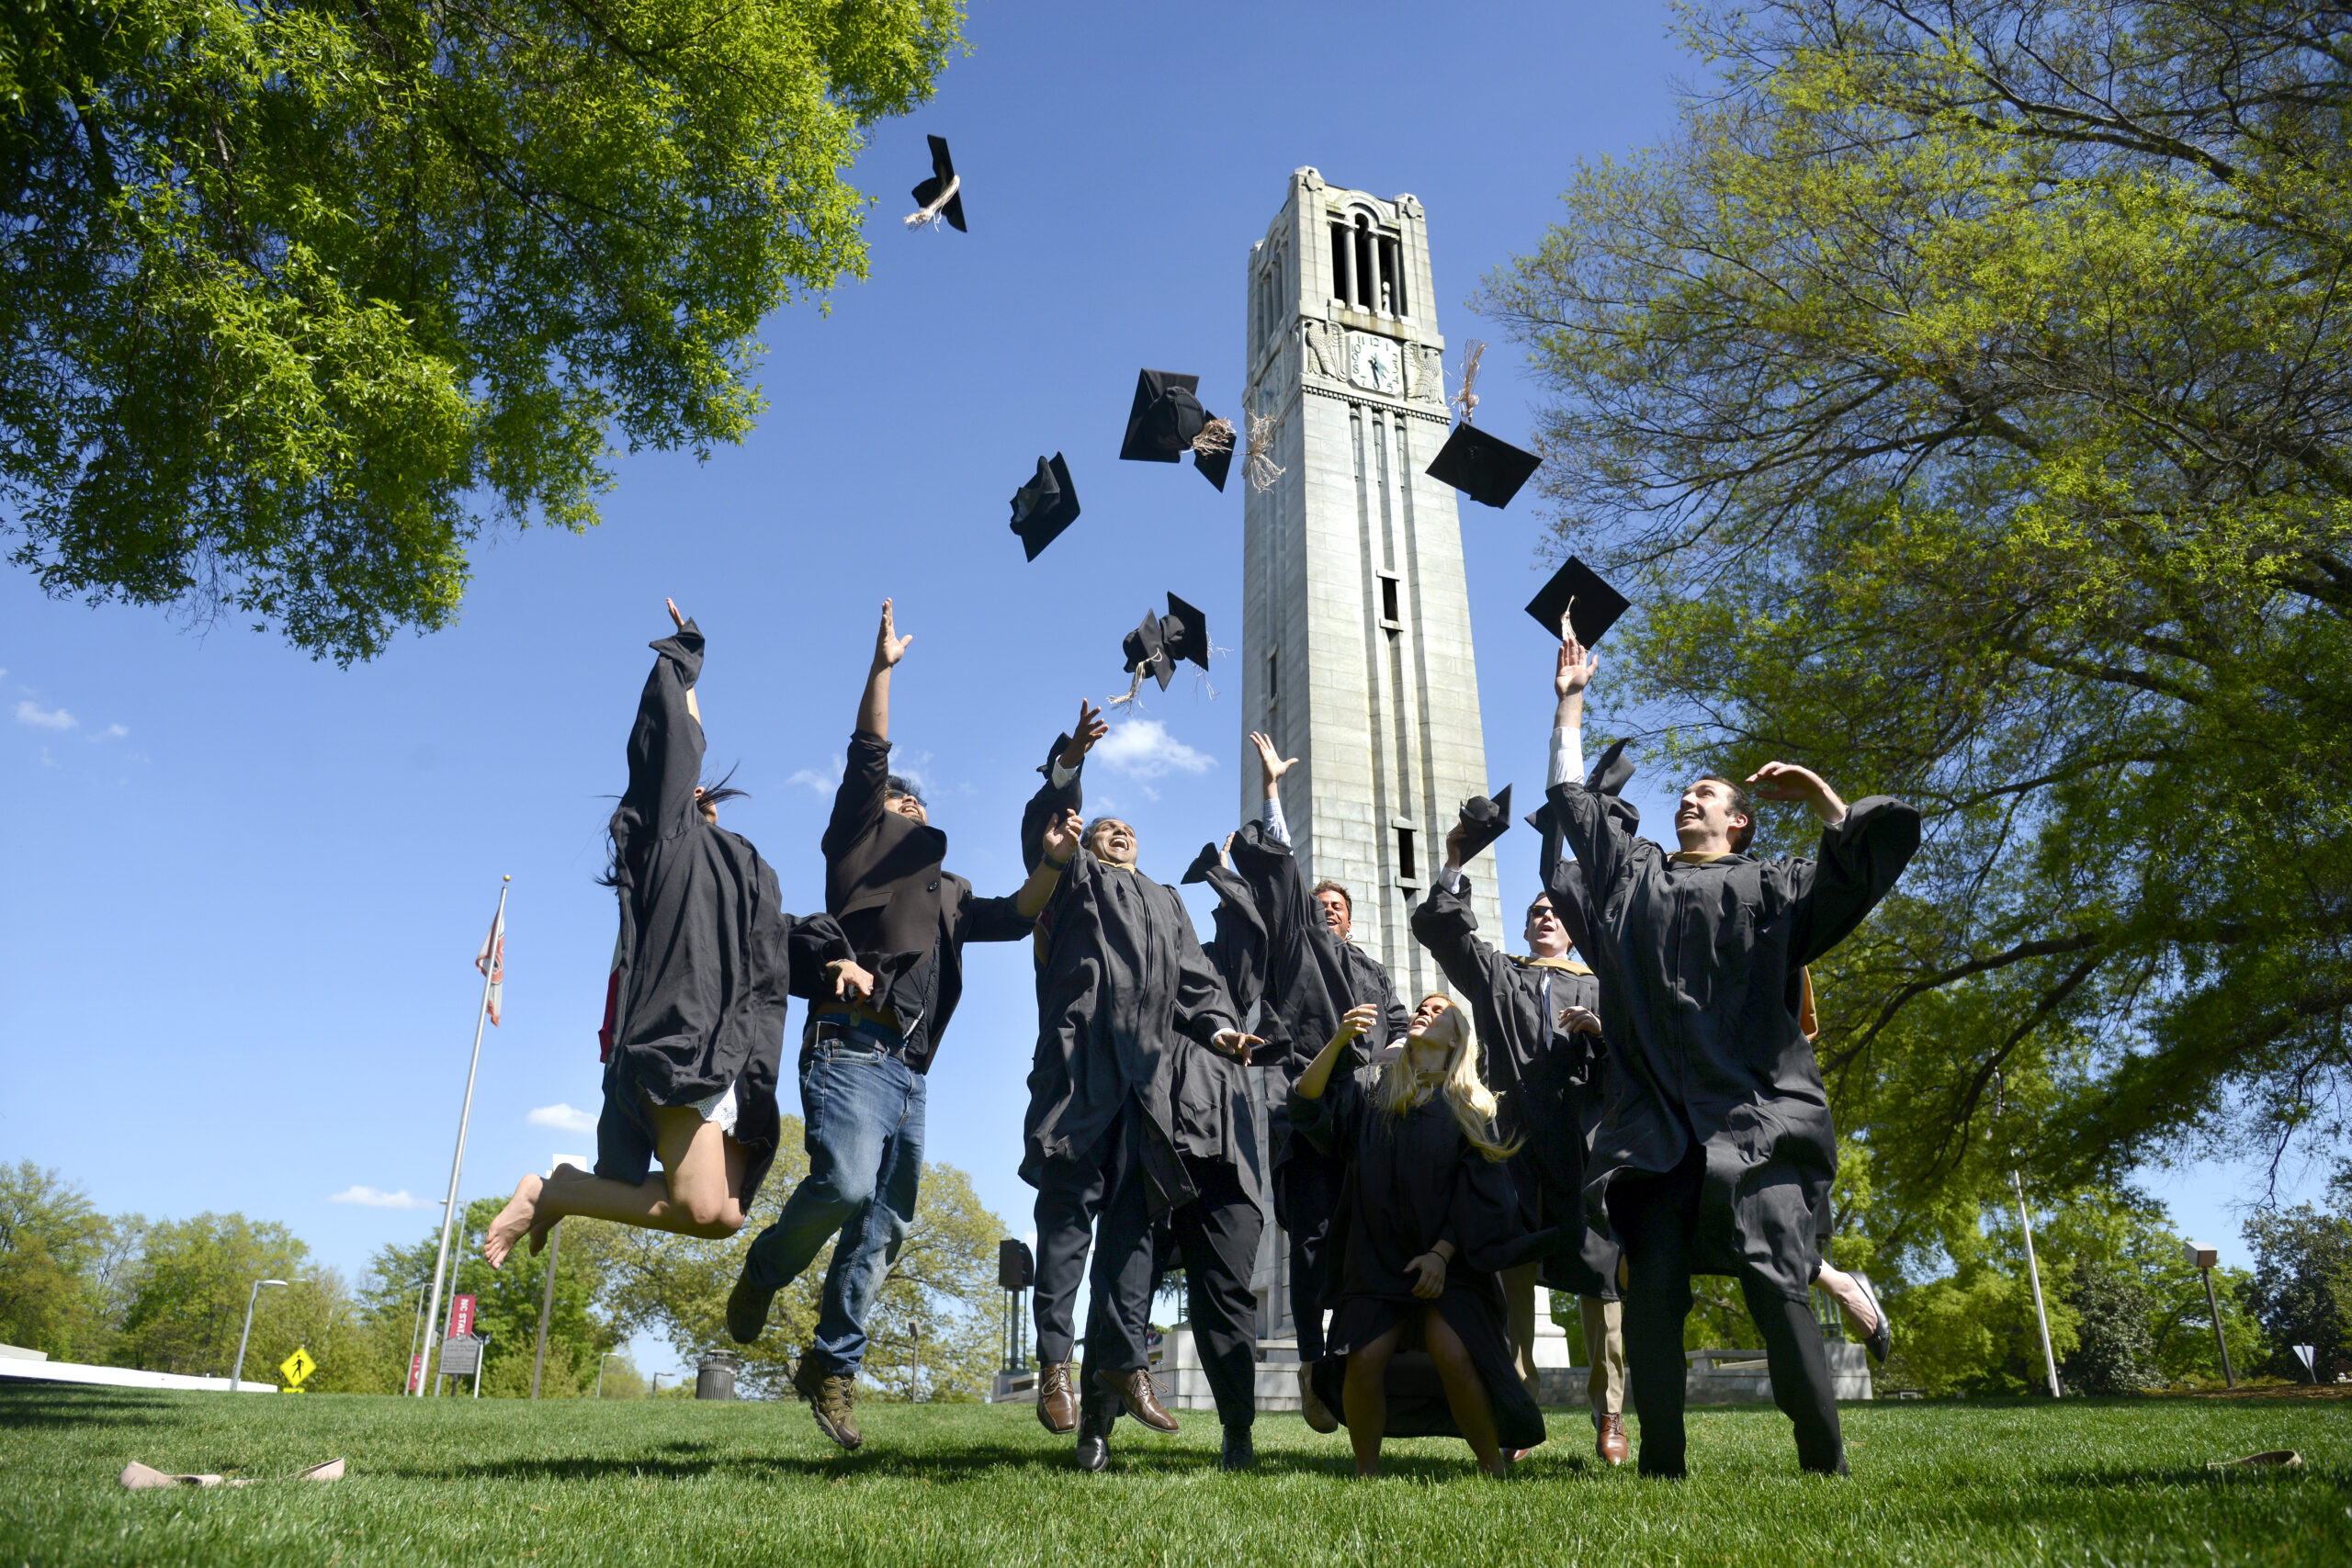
(1356, 621)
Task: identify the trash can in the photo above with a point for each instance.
(714, 1375)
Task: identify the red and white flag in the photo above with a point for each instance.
(491, 960)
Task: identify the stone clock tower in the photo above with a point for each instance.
(1356, 626)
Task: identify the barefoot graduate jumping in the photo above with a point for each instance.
(1427, 1220)
(1716, 1152)
(693, 1011)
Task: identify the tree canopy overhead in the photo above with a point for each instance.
(1966, 391)
(299, 298)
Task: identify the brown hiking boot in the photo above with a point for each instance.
(1133, 1388)
(832, 1398)
(1057, 1399)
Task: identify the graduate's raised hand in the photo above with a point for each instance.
(1575, 666)
(1062, 837)
(1579, 1021)
(1225, 853)
(1429, 1275)
(1458, 841)
(1089, 729)
(1271, 763)
(851, 983)
(1787, 781)
(888, 646)
(1234, 1043)
(1355, 1023)
(676, 619)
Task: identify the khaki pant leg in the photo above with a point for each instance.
(1604, 1351)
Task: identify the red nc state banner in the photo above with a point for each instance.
(461, 1317)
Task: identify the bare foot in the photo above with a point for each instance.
(513, 1221)
(542, 1223)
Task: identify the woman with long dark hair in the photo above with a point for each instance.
(694, 1010)
(1427, 1220)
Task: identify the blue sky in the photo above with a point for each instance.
(247, 888)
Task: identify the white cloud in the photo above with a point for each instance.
(369, 1197)
(823, 782)
(562, 1116)
(40, 717)
(1142, 749)
(114, 732)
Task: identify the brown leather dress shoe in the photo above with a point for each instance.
(1057, 1399)
(1134, 1391)
(1610, 1443)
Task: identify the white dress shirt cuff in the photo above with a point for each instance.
(1277, 828)
(1063, 775)
(1568, 754)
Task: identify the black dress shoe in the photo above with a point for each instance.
(1881, 1343)
(1238, 1454)
(1093, 1438)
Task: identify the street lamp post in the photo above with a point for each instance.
(237, 1372)
(2203, 1258)
(600, 1371)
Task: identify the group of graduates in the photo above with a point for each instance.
(1633, 1101)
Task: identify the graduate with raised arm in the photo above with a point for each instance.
(1716, 1152)
(902, 922)
(1313, 973)
(694, 1010)
(1541, 1055)
(1124, 996)
(1426, 1220)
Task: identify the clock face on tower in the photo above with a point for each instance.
(1372, 365)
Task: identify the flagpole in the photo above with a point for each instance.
(457, 1161)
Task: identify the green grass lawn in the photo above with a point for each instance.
(674, 1482)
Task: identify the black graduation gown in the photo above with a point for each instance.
(1124, 991)
(1311, 978)
(702, 970)
(1702, 974)
(1549, 1085)
(1413, 1182)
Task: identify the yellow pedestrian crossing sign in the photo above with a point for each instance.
(297, 1367)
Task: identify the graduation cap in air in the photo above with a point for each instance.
(942, 196)
(1153, 648)
(1044, 506)
(1576, 591)
(1485, 468)
(1485, 820)
(1167, 421)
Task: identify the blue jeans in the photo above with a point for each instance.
(864, 1114)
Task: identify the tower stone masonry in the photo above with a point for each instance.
(1356, 622)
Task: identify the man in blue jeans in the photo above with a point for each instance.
(904, 920)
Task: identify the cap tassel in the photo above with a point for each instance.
(1134, 685)
(1215, 436)
(1471, 353)
(931, 214)
(1262, 469)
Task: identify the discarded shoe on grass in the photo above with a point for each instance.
(2283, 1459)
(146, 1477)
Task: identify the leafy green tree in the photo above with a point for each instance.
(2303, 1285)
(51, 1243)
(299, 297)
(1963, 395)
(2113, 1351)
(194, 1278)
(933, 1333)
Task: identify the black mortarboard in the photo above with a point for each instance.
(1044, 506)
(1486, 821)
(1184, 632)
(1485, 468)
(1596, 604)
(1165, 421)
(943, 174)
(1147, 655)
